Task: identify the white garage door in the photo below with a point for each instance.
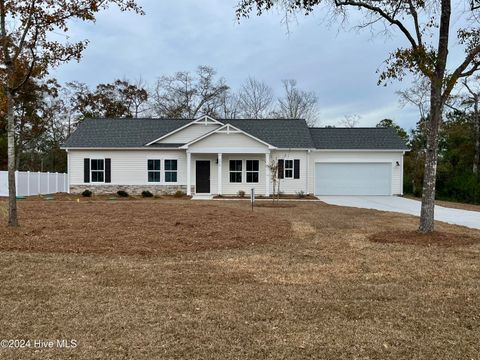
(353, 179)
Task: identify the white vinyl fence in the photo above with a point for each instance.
(35, 183)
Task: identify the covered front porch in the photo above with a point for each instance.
(228, 160)
(229, 171)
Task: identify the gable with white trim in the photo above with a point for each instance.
(228, 139)
(189, 132)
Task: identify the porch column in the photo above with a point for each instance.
(219, 176)
(267, 174)
(189, 168)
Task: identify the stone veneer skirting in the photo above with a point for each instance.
(130, 189)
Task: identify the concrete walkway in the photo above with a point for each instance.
(466, 218)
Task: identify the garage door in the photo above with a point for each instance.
(353, 179)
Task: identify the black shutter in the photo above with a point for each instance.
(86, 170)
(108, 170)
(280, 168)
(296, 169)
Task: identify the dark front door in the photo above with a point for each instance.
(202, 177)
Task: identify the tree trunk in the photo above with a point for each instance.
(437, 101)
(476, 159)
(431, 157)
(12, 193)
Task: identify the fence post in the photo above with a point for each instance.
(16, 182)
(56, 182)
(39, 183)
(48, 182)
(67, 187)
(28, 183)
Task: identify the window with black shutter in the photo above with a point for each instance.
(86, 170)
(108, 170)
(280, 168)
(296, 169)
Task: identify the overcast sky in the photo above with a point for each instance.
(174, 35)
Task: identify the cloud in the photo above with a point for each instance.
(180, 35)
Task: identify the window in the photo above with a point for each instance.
(235, 171)
(97, 169)
(170, 170)
(252, 171)
(153, 170)
(288, 169)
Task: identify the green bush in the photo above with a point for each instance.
(87, 193)
(179, 194)
(122, 193)
(147, 194)
(241, 193)
(301, 194)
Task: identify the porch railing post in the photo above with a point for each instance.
(189, 168)
(28, 183)
(267, 174)
(219, 179)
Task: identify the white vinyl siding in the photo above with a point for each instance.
(233, 188)
(129, 167)
(188, 134)
(290, 185)
(222, 142)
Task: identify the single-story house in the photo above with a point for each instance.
(225, 156)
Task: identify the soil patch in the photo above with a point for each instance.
(416, 238)
(138, 227)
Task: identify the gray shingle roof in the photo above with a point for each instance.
(104, 133)
(282, 133)
(357, 138)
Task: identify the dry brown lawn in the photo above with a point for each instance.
(165, 279)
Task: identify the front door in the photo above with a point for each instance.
(202, 176)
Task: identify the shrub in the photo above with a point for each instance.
(179, 194)
(122, 193)
(301, 194)
(147, 194)
(87, 193)
(241, 193)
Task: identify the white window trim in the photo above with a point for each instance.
(160, 171)
(165, 172)
(243, 171)
(236, 171)
(252, 171)
(285, 168)
(91, 177)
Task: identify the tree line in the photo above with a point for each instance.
(47, 112)
(458, 176)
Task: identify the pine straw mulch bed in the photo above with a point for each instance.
(138, 227)
(437, 238)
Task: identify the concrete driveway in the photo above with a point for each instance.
(406, 206)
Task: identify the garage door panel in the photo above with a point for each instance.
(353, 178)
